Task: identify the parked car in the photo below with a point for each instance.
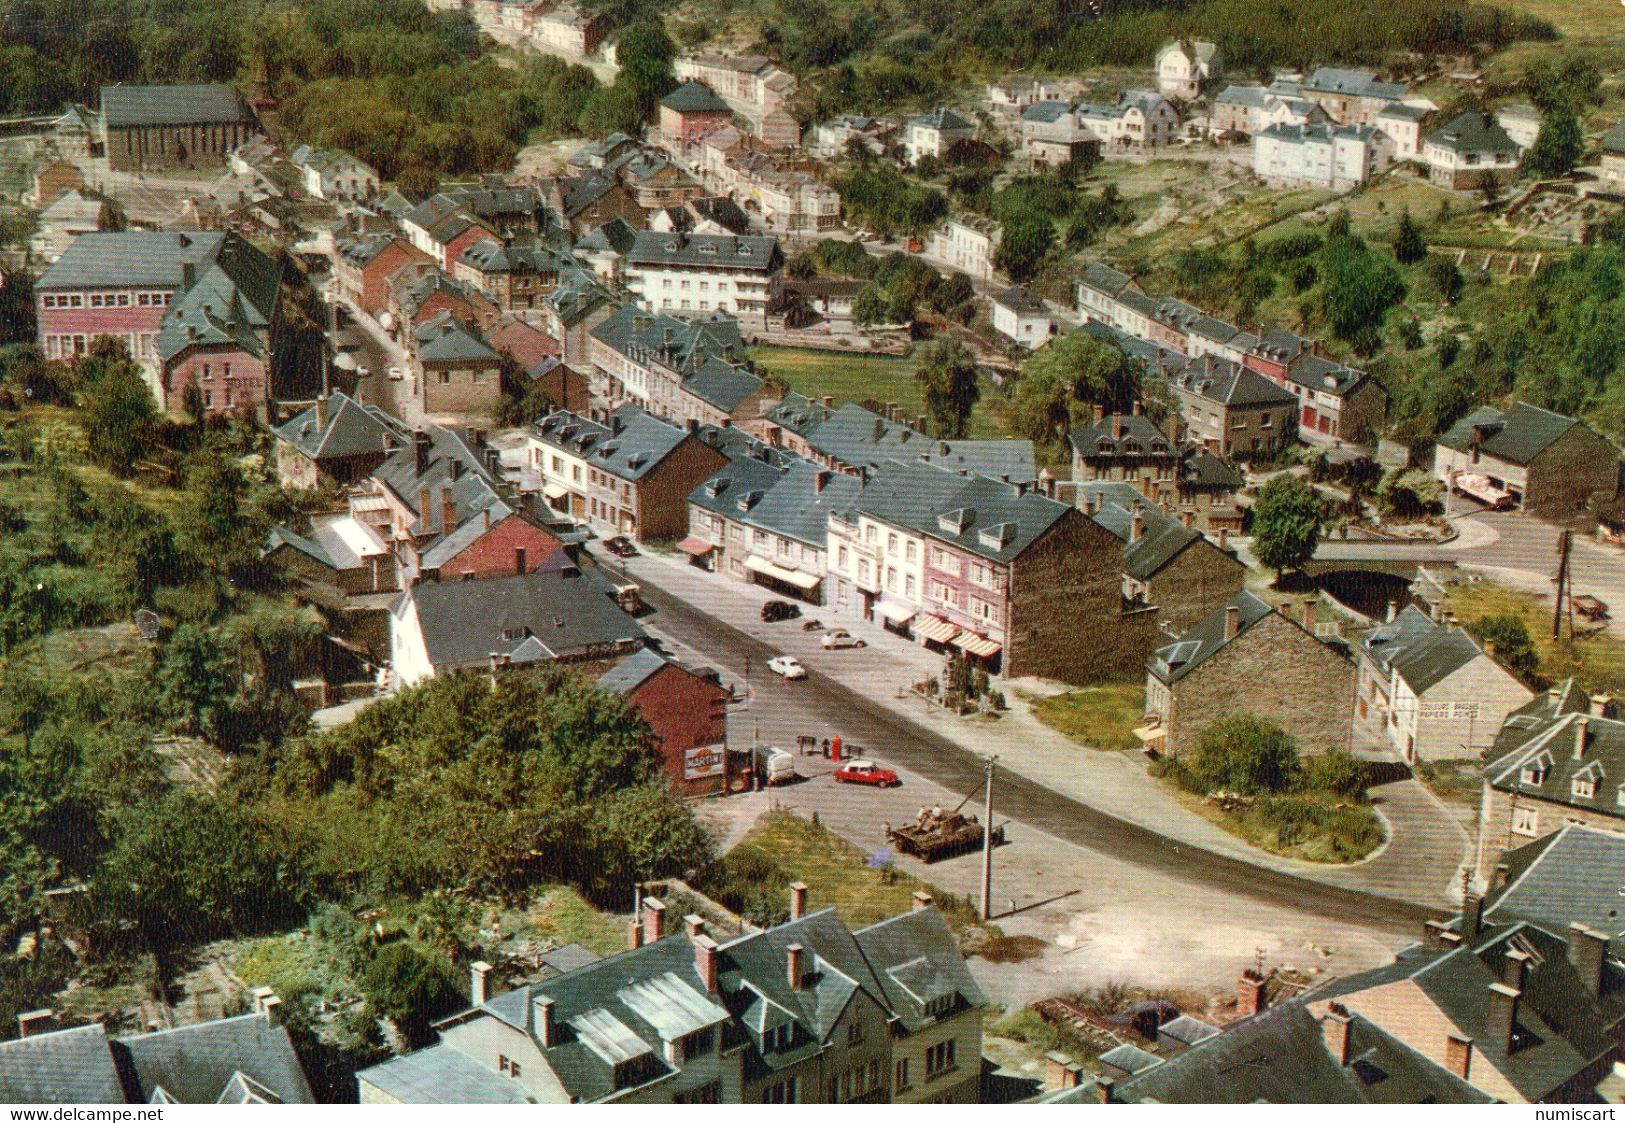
(840, 637)
(775, 610)
(774, 766)
(397, 374)
(788, 666)
(866, 772)
(363, 372)
(621, 546)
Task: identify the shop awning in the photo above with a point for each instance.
(695, 547)
(803, 581)
(972, 644)
(1151, 734)
(363, 503)
(896, 611)
(936, 629)
(555, 491)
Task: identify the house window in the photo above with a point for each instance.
(782, 1092)
(891, 544)
(939, 1058)
(1584, 787)
(1526, 821)
(911, 551)
(908, 585)
(1534, 776)
(445, 378)
(709, 1093)
(699, 1044)
(854, 1033)
(900, 1080)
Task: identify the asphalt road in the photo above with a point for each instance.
(820, 706)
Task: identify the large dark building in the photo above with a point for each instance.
(151, 127)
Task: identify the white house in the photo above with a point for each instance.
(967, 242)
(1012, 95)
(1334, 156)
(1521, 122)
(60, 223)
(1404, 123)
(933, 133)
(1433, 690)
(1184, 66)
(334, 175)
(1022, 317)
(1469, 150)
(687, 274)
(1141, 119)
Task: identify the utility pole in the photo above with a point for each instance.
(1562, 585)
(987, 843)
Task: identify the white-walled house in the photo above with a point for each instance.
(1141, 119)
(1022, 317)
(1334, 156)
(1521, 122)
(933, 133)
(1184, 66)
(1469, 150)
(967, 242)
(1404, 124)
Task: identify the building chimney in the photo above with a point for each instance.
(1138, 408)
(705, 961)
(829, 402)
(1100, 413)
(479, 982)
(1434, 933)
(1117, 426)
(543, 1020)
(420, 449)
(1393, 610)
(893, 412)
(1136, 527)
(1498, 879)
(1458, 1055)
(321, 411)
(1472, 915)
(1089, 504)
(1334, 1027)
(271, 1010)
(794, 967)
(798, 900)
(1061, 1072)
(634, 933)
(1250, 996)
(1582, 726)
(1105, 1089)
(1602, 705)
(923, 900)
(1224, 538)
(820, 479)
(1501, 1018)
(519, 561)
(456, 469)
(1188, 518)
(448, 511)
(1232, 622)
(694, 925)
(1515, 968)
(920, 422)
(1309, 606)
(1587, 950)
(35, 1022)
(654, 919)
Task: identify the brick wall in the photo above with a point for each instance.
(686, 712)
(1569, 471)
(495, 552)
(374, 298)
(1274, 670)
(175, 146)
(1363, 412)
(1496, 823)
(1194, 584)
(243, 388)
(463, 390)
(661, 497)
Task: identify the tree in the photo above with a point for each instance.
(1444, 278)
(1357, 289)
(409, 989)
(947, 371)
(1244, 754)
(1023, 246)
(1057, 383)
(1557, 146)
(196, 678)
(645, 54)
(1507, 637)
(119, 417)
(1286, 523)
(217, 528)
(1409, 248)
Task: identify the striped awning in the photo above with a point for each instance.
(972, 644)
(936, 629)
(695, 547)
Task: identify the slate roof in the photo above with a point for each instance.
(1280, 1056)
(1517, 435)
(1162, 539)
(978, 514)
(525, 617)
(130, 259)
(490, 255)
(1105, 278)
(1139, 437)
(637, 669)
(1022, 300)
(731, 484)
(450, 460)
(1317, 134)
(1325, 375)
(941, 119)
(207, 103)
(70, 1066)
(442, 1075)
(614, 236)
(339, 544)
(1254, 97)
(1206, 638)
(1472, 132)
(1423, 652)
(861, 438)
(694, 97)
(447, 339)
(1529, 719)
(1566, 877)
(754, 253)
(1226, 383)
(1201, 469)
(795, 506)
(196, 1063)
(1357, 83)
(1046, 112)
(628, 452)
(1545, 766)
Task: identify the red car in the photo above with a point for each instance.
(866, 772)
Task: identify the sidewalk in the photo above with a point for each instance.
(1419, 863)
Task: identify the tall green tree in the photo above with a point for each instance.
(1023, 246)
(1557, 146)
(1409, 248)
(1357, 290)
(1058, 383)
(947, 372)
(1286, 523)
(120, 417)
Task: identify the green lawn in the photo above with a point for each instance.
(1100, 717)
(1597, 661)
(855, 378)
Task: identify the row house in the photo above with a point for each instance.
(517, 278)
(808, 1011)
(1022, 91)
(1429, 690)
(420, 291)
(456, 372)
(688, 113)
(630, 474)
(786, 194)
(588, 199)
(968, 243)
(1186, 66)
(767, 523)
(1536, 459)
(1247, 110)
(753, 87)
(563, 28)
(998, 572)
(1349, 97)
(834, 138)
(680, 273)
(685, 370)
(1249, 658)
(334, 175)
(573, 311)
(1180, 478)
(363, 266)
(180, 302)
(1557, 760)
(1235, 413)
(1338, 157)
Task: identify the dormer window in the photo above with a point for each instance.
(1533, 774)
(712, 250)
(1583, 787)
(777, 1039)
(939, 1007)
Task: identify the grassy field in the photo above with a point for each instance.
(855, 378)
(1351, 831)
(1597, 661)
(1099, 717)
